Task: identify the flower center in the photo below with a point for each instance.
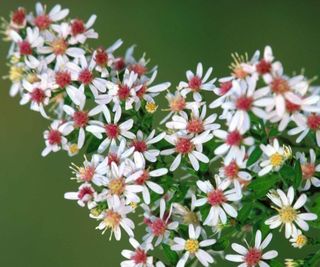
(225, 87)
(73, 149)
(252, 257)
(63, 78)
(112, 130)
(231, 170)
(139, 257)
(313, 122)
(143, 178)
(112, 219)
(195, 83)
(239, 72)
(101, 57)
(195, 126)
(139, 69)
(25, 48)
(85, 193)
(119, 64)
(263, 67)
(184, 146)
(280, 86)
(80, 119)
(291, 107)
(191, 246)
(287, 214)
(276, 159)
(54, 137)
(139, 145)
(234, 138)
(116, 186)
(85, 77)
(113, 157)
(19, 16)
(86, 173)
(37, 95)
(151, 107)
(216, 197)
(178, 104)
(140, 93)
(123, 92)
(77, 27)
(308, 170)
(244, 103)
(15, 73)
(59, 46)
(42, 22)
(158, 227)
(301, 240)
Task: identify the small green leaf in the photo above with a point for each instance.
(254, 156)
(222, 244)
(297, 174)
(263, 184)
(171, 255)
(244, 212)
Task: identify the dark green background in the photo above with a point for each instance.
(37, 226)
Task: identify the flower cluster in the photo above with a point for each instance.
(209, 173)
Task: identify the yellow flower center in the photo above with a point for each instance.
(191, 246)
(15, 73)
(112, 219)
(287, 214)
(151, 107)
(301, 240)
(133, 205)
(276, 159)
(73, 149)
(116, 186)
(32, 78)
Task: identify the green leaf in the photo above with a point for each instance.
(254, 156)
(244, 212)
(171, 255)
(261, 185)
(222, 244)
(297, 174)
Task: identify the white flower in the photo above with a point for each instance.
(115, 217)
(177, 103)
(196, 83)
(84, 196)
(218, 198)
(193, 247)
(276, 156)
(309, 168)
(160, 227)
(112, 129)
(223, 91)
(81, 31)
(196, 124)
(253, 256)
(289, 214)
(298, 240)
(187, 146)
(54, 138)
(139, 257)
(234, 142)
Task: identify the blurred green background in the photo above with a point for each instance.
(37, 226)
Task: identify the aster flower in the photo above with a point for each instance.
(187, 145)
(193, 247)
(253, 256)
(298, 240)
(112, 129)
(309, 168)
(177, 103)
(81, 31)
(18, 19)
(115, 218)
(218, 198)
(54, 138)
(224, 90)
(84, 196)
(185, 215)
(196, 83)
(288, 214)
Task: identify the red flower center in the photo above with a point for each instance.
(195, 126)
(77, 27)
(113, 157)
(291, 107)
(195, 83)
(280, 86)
(216, 197)
(225, 87)
(308, 170)
(112, 130)
(25, 48)
(123, 92)
(101, 57)
(143, 178)
(54, 137)
(19, 16)
(234, 138)
(37, 95)
(85, 77)
(63, 78)
(85, 191)
(139, 257)
(231, 170)
(244, 103)
(86, 173)
(140, 93)
(59, 46)
(80, 119)
(313, 122)
(177, 104)
(263, 67)
(42, 22)
(184, 145)
(158, 227)
(119, 64)
(139, 69)
(253, 257)
(139, 145)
